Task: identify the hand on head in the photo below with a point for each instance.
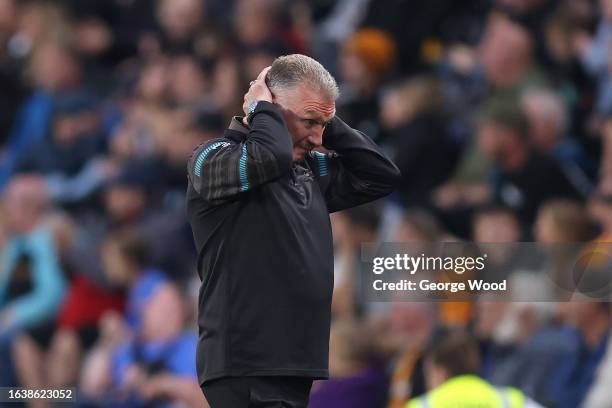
(258, 91)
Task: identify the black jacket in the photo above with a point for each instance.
(263, 235)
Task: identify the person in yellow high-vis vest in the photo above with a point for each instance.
(450, 372)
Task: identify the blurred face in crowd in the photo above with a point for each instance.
(254, 20)
(54, 68)
(413, 321)
(23, 202)
(8, 15)
(606, 9)
(392, 112)
(353, 70)
(489, 315)
(306, 113)
(435, 375)
(562, 221)
(582, 313)
(187, 83)
(163, 315)
(496, 227)
(153, 83)
(180, 18)
(545, 114)
(505, 51)
(491, 139)
(125, 203)
(546, 229)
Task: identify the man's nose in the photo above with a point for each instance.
(316, 138)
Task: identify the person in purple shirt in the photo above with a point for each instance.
(357, 379)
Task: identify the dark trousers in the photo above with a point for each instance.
(258, 392)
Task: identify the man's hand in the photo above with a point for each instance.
(258, 91)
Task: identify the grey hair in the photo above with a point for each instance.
(292, 70)
(549, 104)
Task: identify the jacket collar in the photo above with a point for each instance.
(237, 130)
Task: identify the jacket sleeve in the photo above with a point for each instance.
(357, 170)
(221, 168)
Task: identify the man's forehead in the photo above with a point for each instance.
(319, 109)
(316, 105)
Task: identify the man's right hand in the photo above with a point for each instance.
(259, 91)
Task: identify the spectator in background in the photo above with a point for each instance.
(123, 260)
(506, 55)
(547, 119)
(361, 224)
(366, 60)
(155, 367)
(179, 21)
(569, 383)
(78, 316)
(594, 55)
(541, 341)
(11, 63)
(258, 23)
(144, 114)
(128, 204)
(186, 129)
(421, 226)
(563, 221)
(415, 128)
(32, 284)
(70, 157)
(55, 71)
(357, 380)
(598, 395)
(451, 365)
(125, 257)
(524, 179)
(519, 177)
(407, 329)
(500, 326)
(495, 224)
(190, 83)
(126, 260)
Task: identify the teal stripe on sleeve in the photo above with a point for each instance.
(203, 154)
(244, 181)
(322, 162)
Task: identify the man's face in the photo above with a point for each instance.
(306, 113)
(491, 138)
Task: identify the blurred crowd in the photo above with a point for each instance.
(497, 112)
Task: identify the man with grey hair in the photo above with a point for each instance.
(258, 202)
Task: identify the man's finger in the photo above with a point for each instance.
(262, 74)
